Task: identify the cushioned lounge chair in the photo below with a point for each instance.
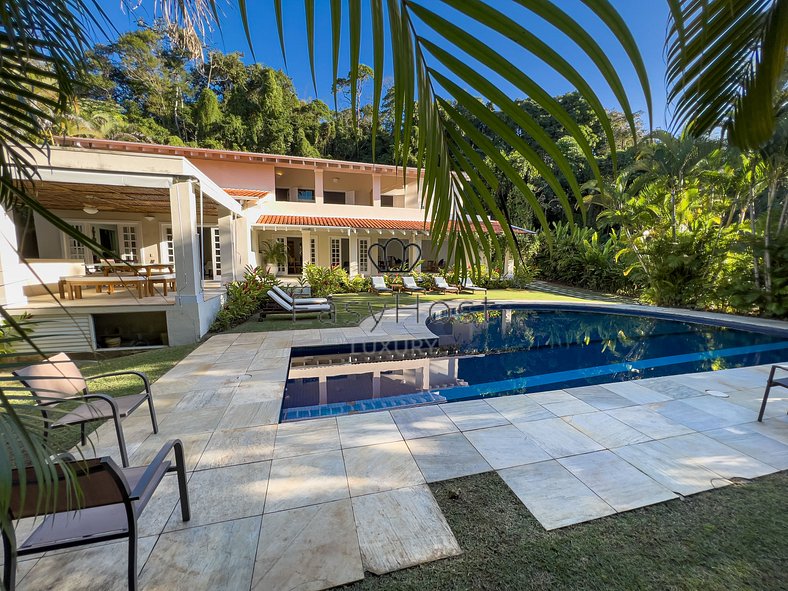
(409, 284)
(300, 309)
(468, 285)
(297, 301)
(442, 286)
(112, 501)
(379, 285)
(781, 381)
(58, 380)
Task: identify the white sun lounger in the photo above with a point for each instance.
(379, 285)
(297, 301)
(300, 309)
(467, 284)
(409, 284)
(442, 285)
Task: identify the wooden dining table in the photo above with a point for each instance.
(147, 269)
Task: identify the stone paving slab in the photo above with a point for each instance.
(402, 528)
(444, 457)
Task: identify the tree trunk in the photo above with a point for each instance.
(767, 243)
(756, 274)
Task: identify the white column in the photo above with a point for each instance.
(322, 390)
(375, 190)
(227, 252)
(12, 272)
(185, 242)
(306, 247)
(353, 260)
(319, 186)
(376, 384)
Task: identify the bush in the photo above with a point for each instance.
(244, 298)
(582, 257)
(326, 281)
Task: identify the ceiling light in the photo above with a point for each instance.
(150, 217)
(90, 209)
(279, 173)
(335, 179)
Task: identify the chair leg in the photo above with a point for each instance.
(124, 456)
(763, 404)
(133, 583)
(9, 551)
(183, 491)
(153, 419)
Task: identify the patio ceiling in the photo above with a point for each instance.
(108, 198)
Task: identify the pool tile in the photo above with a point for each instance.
(617, 482)
(377, 468)
(648, 422)
(670, 469)
(238, 446)
(306, 480)
(309, 548)
(606, 430)
(224, 493)
(506, 446)
(558, 438)
(447, 456)
(473, 414)
(754, 444)
(216, 556)
(698, 449)
(367, 429)
(599, 397)
(422, 421)
(402, 528)
(306, 437)
(93, 567)
(553, 495)
(519, 408)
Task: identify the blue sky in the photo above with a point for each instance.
(646, 18)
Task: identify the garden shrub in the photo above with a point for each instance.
(582, 257)
(244, 298)
(326, 281)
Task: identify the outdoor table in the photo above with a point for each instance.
(141, 269)
(75, 283)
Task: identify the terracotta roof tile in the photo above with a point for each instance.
(246, 193)
(333, 222)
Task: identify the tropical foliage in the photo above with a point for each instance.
(244, 298)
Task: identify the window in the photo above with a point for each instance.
(74, 249)
(313, 251)
(334, 197)
(363, 255)
(335, 252)
(387, 200)
(282, 267)
(306, 194)
(168, 253)
(217, 252)
(282, 194)
(129, 251)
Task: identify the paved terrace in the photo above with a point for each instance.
(315, 504)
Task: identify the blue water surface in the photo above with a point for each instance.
(515, 350)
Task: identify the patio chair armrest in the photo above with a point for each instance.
(139, 374)
(775, 367)
(154, 464)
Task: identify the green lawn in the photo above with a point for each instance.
(352, 308)
(155, 363)
(728, 539)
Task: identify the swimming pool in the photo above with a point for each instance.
(498, 351)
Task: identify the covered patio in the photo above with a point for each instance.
(178, 237)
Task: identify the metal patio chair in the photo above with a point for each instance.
(58, 380)
(111, 502)
(782, 381)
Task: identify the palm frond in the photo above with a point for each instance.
(725, 59)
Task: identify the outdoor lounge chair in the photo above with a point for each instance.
(112, 501)
(442, 286)
(379, 285)
(409, 284)
(297, 301)
(300, 309)
(782, 381)
(468, 285)
(58, 380)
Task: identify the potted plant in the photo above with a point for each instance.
(272, 254)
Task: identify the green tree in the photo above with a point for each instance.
(207, 114)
